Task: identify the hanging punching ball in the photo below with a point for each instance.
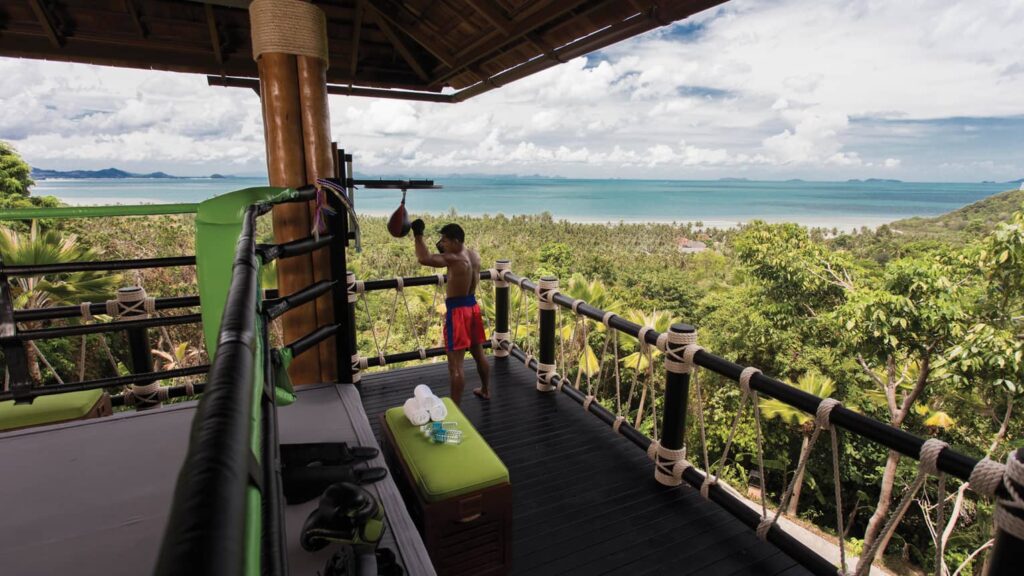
(398, 223)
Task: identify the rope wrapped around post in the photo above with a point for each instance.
(501, 295)
(133, 302)
(547, 368)
(669, 464)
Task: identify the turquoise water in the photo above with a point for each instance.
(716, 203)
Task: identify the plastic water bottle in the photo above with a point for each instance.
(442, 436)
(430, 428)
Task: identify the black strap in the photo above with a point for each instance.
(255, 472)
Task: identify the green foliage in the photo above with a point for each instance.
(800, 304)
(15, 178)
(15, 181)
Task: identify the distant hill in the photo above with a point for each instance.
(43, 174)
(965, 224)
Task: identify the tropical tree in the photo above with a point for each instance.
(15, 174)
(15, 181)
(813, 383)
(38, 247)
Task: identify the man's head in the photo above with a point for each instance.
(452, 237)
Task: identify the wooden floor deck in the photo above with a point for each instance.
(585, 500)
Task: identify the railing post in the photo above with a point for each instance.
(350, 328)
(677, 393)
(501, 333)
(344, 341)
(132, 303)
(14, 348)
(1008, 551)
(547, 287)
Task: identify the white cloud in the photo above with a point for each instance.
(777, 89)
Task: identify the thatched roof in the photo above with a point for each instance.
(375, 45)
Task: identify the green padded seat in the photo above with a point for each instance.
(443, 471)
(48, 409)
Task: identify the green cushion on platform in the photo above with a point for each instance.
(443, 471)
(48, 409)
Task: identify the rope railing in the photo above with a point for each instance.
(682, 357)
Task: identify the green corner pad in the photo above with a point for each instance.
(443, 471)
(218, 225)
(48, 409)
(284, 392)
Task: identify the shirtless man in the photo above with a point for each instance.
(463, 326)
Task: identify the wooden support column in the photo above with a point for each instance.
(286, 166)
(290, 47)
(319, 155)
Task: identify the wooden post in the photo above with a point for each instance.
(501, 332)
(677, 392)
(130, 303)
(319, 155)
(547, 287)
(14, 349)
(289, 41)
(354, 375)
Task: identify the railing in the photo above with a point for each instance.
(227, 512)
(670, 467)
(132, 304)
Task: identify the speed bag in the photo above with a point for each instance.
(398, 223)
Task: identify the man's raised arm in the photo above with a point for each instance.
(423, 255)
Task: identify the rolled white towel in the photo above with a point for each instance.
(437, 410)
(422, 391)
(416, 415)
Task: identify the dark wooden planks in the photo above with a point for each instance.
(585, 501)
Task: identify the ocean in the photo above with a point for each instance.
(720, 203)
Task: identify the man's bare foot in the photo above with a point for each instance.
(482, 393)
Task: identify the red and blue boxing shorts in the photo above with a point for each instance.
(463, 325)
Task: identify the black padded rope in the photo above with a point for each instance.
(205, 533)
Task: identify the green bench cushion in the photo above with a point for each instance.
(48, 409)
(443, 471)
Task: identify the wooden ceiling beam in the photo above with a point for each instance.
(389, 10)
(473, 53)
(211, 21)
(133, 11)
(494, 14)
(254, 84)
(47, 22)
(399, 45)
(357, 29)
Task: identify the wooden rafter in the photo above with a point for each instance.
(211, 21)
(472, 54)
(636, 24)
(389, 10)
(399, 45)
(133, 10)
(47, 23)
(357, 29)
(493, 14)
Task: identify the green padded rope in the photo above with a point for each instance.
(97, 211)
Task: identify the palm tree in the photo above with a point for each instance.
(39, 247)
(812, 383)
(639, 361)
(596, 294)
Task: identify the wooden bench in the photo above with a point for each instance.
(459, 496)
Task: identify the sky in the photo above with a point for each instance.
(922, 90)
